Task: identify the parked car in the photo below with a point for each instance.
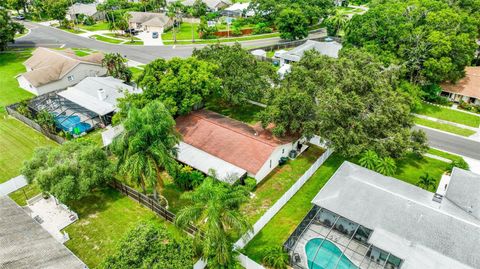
(154, 34)
(131, 31)
(20, 17)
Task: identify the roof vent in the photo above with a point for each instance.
(437, 198)
(101, 94)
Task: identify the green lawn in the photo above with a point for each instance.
(135, 72)
(22, 195)
(184, 32)
(278, 182)
(246, 113)
(447, 114)
(134, 43)
(17, 140)
(73, 31)
(444, 127)
(444, 154)
(104, 218)
(277, 231)
(223, 40)
(96, 27)
(107, 39)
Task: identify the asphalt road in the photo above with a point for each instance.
(452, 143)
(51, 37)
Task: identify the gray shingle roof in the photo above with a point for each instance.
(25, 244)
(464, 191)
(405, 220)
(325, 48)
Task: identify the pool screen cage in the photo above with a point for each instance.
(69, 116)
(326, 240)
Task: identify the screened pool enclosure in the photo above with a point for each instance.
(69, 116)
(325, 240)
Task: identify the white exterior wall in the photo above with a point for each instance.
(80, 72)
(280, 151)
(154, 29)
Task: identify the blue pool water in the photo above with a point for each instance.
(72, 124)
(327, 256)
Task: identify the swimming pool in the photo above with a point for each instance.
(72, 124)
(327, 256)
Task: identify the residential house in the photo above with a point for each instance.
(239, 10)
(467, 89)
(212, 5)
(328, 48)
(85, 106)
(362, 219)
(89, 10)
(149, 21)
(25, 244)
(231, 148)
(51, 70)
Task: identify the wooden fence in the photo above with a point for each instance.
(151, 204)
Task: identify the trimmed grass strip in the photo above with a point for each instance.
(108, 40)
(444, 127)
(447, 114)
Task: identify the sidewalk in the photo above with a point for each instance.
(12, 185)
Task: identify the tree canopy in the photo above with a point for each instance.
(180, 84)
(69, 172)
(243, 77)
(8, 29)
(292, 24)
(116, 67)
(433, 39)
(151, 246)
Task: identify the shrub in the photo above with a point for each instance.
(459, 163)
(261, 28)
(250, 183)
(24, 110)
(431, 92)
(46, 121)
(88, 21)
(275, 257)
(187, 178)
(236, 31)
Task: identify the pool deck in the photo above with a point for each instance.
(353, 250)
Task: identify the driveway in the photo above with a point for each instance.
(147, 39)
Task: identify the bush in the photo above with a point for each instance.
(188, 179)
(250, 183)
(431, 92)
(236, 31)
(460, 163)
(261, 28)
(88, 21)
(275, 257)
(24, 110)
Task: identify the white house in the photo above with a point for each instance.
(212, 5)
(239, 10)
(232, 148)
(328, 48)
(50, 70)
(89, 10)
(467, 89)
(149, 21)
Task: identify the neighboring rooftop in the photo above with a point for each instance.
(152, 18)
(48, 65)
(464, 191)
(330, 48)
(212, 4)
(81, 8)
(98, 94)
(404, 218)
(235, 142)
(25, 244)
(467, 86)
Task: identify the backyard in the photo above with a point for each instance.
(246, 113)
(104, 217)
(277, 231)
(448, 114)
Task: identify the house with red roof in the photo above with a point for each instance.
(231, 148)
(467, 89)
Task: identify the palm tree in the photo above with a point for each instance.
(147, 146)
(427, 182)
(336, 23)
(369, 159)
(276, 257)
(116, 67)
(191, 11)
(214, 209)
(172, 12)
(386, 166)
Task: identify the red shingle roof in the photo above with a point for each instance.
(467, 86)
(235, 142)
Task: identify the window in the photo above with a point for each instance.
(70, 78)
(283, 151)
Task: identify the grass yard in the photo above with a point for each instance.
(246, 113)
(73, 31)
(107, 39)
(278, 182)
(223, 40)
(447, 114)
(411, 168)
(444, 127)
(444, 154)
(96, 27)
(134, 43)
(22, 195)
(277, 231)
(104, 218)
(17, 140)
(182, 33)
(135, 72)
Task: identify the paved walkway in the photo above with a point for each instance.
(12, 185)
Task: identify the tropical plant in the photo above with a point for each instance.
(336, 23)
(214, 209)
(151, 246)
(69, 172)
(427, 182)
(386, 166)
(173, 9)
(23, 109)
(369, 159)
(46, 120)
(147, 146)
(276, 258)
(116, 66)
(187, 178)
